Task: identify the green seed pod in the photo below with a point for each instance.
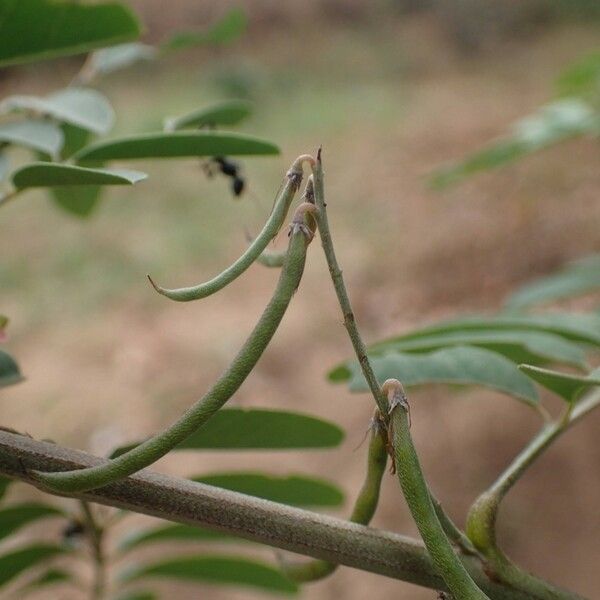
(272, 226)
(157, 446)
(418, 498)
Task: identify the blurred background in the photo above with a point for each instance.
(392, 90)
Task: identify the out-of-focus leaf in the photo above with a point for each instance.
(539, 347)
(170, 533)
(75, 139)
(553, 123)
(218, 570)
(567, 386)
(578, 278)
(582, 79)
(225, 31)
(455, 365)
(577, 327)
(81, 107)
(15, 517)
(176, 145)
(295, 490)
(119, 57)
(223, 113)
(43, 136)
(78, 200)
(49, 577)
(143, 595)
(4, 165)
(41, 29)
(3, 325)
(258, 429)
(4, 483)
(50, 175)
(9, 370)
(15, 562)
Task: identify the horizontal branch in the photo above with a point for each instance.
(277, 525)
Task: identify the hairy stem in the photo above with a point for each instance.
(95, 535)
(273, 225)
(340, 289)
(279, 526)
(364, 507)
(157, 446)
(483, 514)
(418, 498)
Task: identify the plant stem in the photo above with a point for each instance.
(279, 526)
(483, 514)
(417, 495)
(364, 507)
(95, 534)
(340, 289)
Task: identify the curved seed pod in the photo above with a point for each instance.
(364, 507)
(156, 447)
(274, 260)
(272, 226)
(418, 498)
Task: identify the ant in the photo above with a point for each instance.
(230, 169)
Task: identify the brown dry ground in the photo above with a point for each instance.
(108, 361)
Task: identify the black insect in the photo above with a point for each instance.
(230, 169)
(72, 530)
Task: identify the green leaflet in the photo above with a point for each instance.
(176, 145)
(218, 570)
(567, 386)
(9, 370)
(41, 29)
(456, 365)
(259, 429)
(224, 113)
(80, 107)
(45, 174)
(43, 136)
(14, 517)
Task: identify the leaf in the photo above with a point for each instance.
(108, 60)
(176, 145)
(14, 563)
(4, 483)
(578, 278)
(225, 31)
(581, 79)
(3, 325)
(42, 136)
(4, 165)
(49, 577)
(172, 532)
(9, 370)
(78, 200)
(259, 429)
(576, 327)
(553, 123)
(567, 386)
(142, 595)
(455, 365)
(15, 517)
(75, 138)
(41, 29)
(223, 113)
(218, 570)
(81, 107)
(295, 490)
(539, 347)
(45, 174)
